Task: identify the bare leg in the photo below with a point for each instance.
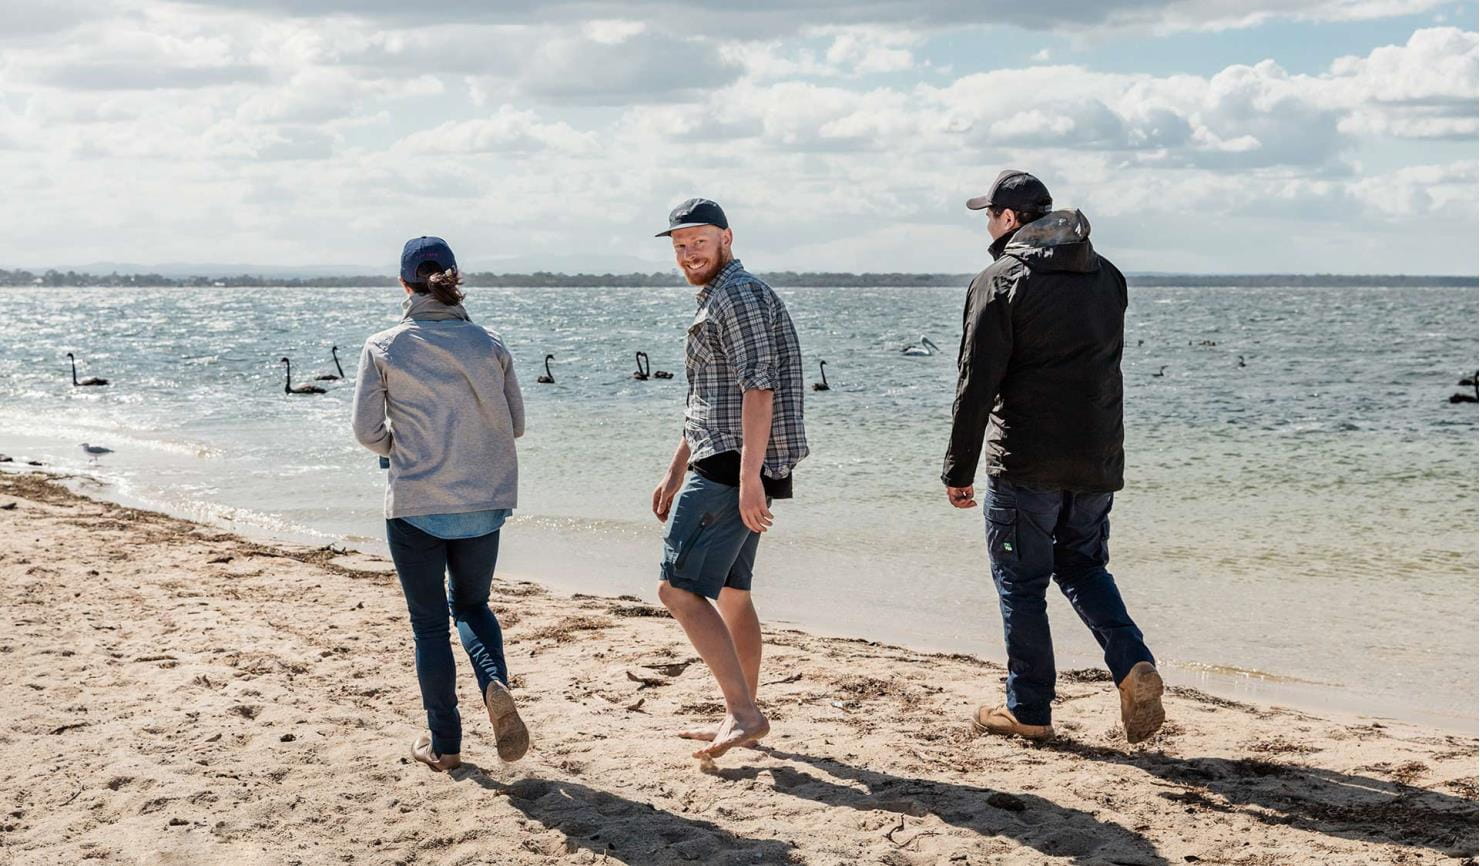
(708, 633)
(745, 631)
(744, 625)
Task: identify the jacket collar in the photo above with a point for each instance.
(1001, 243)
(425, 308)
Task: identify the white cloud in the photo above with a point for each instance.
(724, 18)
(508, 130)
(837, 139)
(1425, 89)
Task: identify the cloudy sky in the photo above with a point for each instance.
(1197, 135)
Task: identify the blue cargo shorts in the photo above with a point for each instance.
(707, 546)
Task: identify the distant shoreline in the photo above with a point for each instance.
(784, 279)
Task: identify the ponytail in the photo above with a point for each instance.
(442, 285)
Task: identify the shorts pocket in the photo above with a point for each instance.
(1002, 540)
(687, 546)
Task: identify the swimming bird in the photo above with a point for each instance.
(641, 374)
(662, 374)
(96, 450)
(922, 348)
(90, 380)
(1473, 381)
(1162, 372)
(1241, 361)
(288, 386)
(330, 377)
(548, 378)
(821, 386)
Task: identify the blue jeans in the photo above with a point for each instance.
(1035, 535)
(422, 560)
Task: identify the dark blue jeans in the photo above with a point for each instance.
(422, 560)
(1035, 535)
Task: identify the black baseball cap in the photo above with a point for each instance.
(694, 212)
(1014, 189)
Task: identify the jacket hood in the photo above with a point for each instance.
(1056, 242)
(424, 307)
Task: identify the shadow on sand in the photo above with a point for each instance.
(1308, 798)
(626, 831)
(1038, 823)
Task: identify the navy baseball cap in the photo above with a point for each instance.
(1014, 189)
(694, 212)
(425, 249)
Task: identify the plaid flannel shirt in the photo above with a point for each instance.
(742, 339)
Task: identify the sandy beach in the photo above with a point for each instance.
(175, 694)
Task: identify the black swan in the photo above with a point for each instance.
(288, 386)
(1473, 381)
(548, 378)
(331, 377)
(641, 374)
(821, 386)
(90, 380)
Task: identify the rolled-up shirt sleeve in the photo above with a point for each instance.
(367, 416)
(747, 333)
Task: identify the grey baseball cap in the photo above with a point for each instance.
(1014, 189)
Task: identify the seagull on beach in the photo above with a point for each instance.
(96, 450)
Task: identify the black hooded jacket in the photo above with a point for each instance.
(1043, 330)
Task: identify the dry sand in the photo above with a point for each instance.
(175, 694)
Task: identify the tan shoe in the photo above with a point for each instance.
(421, 750)
(1140, 702)
(509, 733)
(1001, 721)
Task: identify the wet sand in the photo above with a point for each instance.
(171, 693)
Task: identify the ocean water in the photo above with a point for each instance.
(1301, 528)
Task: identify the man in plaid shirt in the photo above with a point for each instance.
(742, 436)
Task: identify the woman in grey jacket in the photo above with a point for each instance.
(437, 395)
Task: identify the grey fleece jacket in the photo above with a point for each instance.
(438, 396)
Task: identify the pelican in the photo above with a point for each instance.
(90, 380)
(289, 388)
(821, 386)
(921, 349)
(641, 374)
(548, 378)
(331, 377)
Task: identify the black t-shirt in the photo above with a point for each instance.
(724, 468)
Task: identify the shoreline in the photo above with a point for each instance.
(177, 693)
(1235, 684)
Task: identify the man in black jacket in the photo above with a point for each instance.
(1040, 380)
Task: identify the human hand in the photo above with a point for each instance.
(962, 497)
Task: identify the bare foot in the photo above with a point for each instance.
(705, 734)
(736, 732)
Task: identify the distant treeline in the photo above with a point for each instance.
(672, 278)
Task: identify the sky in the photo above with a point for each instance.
(1203, 136)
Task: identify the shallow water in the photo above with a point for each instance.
(1299, 528)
